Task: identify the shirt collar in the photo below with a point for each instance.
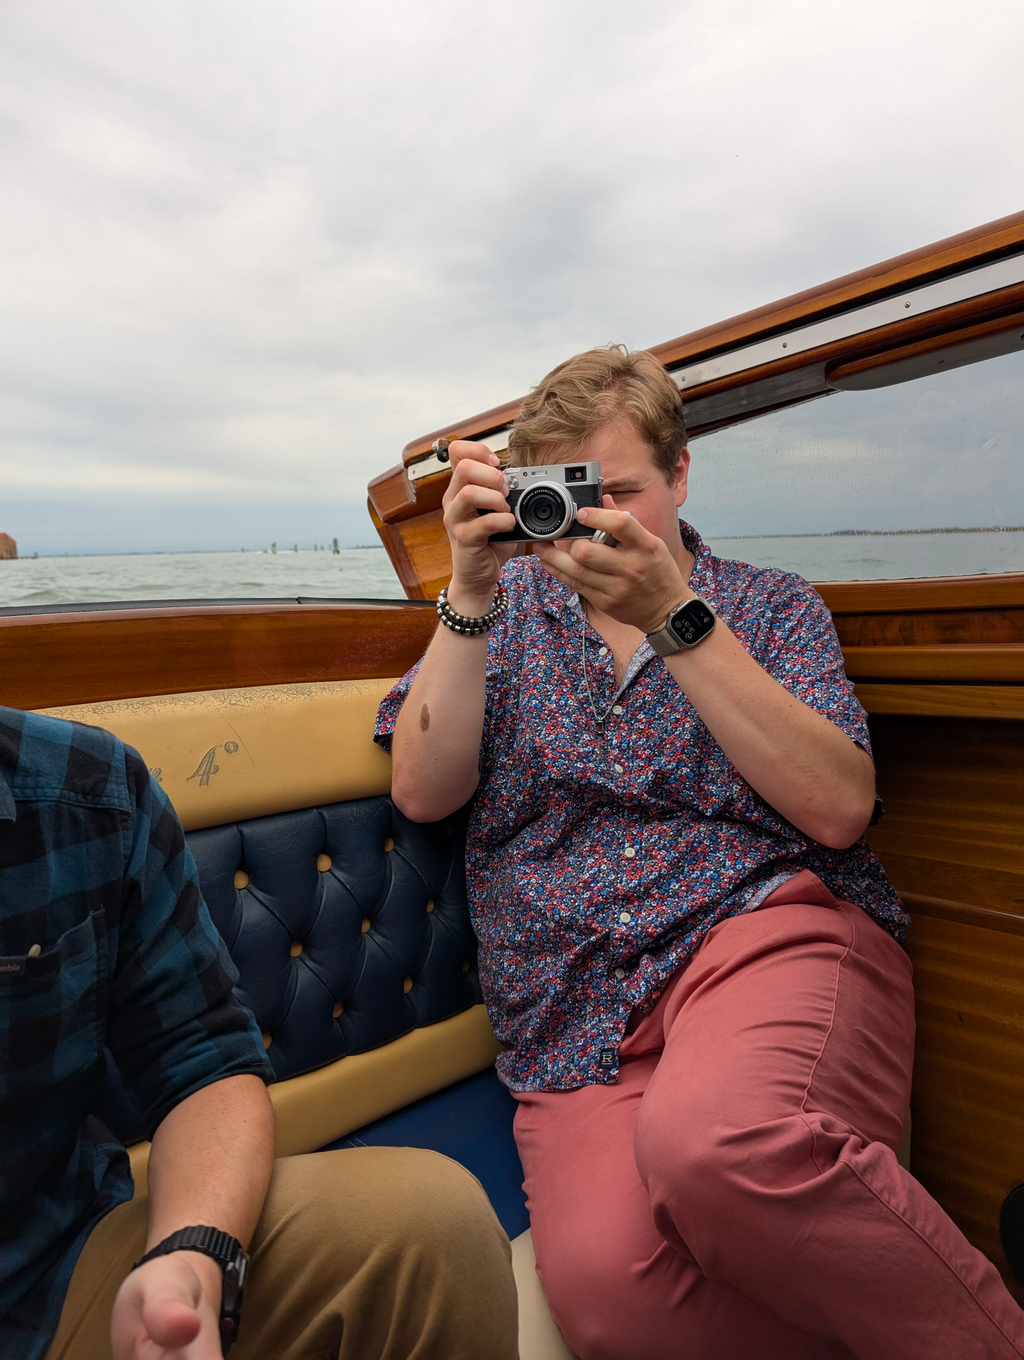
(702, 575)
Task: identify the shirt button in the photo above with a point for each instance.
(602, 651)
(620, 973)
(625, 917)
(616, 709)
(629, 852)
(618, 769)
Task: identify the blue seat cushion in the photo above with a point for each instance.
(471, 1122)
(349, 927)
(340, 959)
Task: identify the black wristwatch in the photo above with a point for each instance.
(686, 625)
(229, 1254)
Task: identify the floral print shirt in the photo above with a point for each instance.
(597, 864)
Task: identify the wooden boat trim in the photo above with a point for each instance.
(120, 653)
(964, 913)
(957, 662)
(931, 594)
(944, 701)
(124, 653)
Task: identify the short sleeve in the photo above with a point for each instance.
(174, 1023)
(391, 706)
(803, 654)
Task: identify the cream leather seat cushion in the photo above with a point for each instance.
(539, 1337)
(227, 754)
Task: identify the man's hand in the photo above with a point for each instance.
(636, 583)
(169, 1309)
(477, 483)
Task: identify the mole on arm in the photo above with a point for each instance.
(424, 718)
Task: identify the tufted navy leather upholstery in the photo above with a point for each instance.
(349, 926)
(349, 929)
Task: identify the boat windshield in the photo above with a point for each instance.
(922, 478)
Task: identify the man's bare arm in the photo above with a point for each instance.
(798, 761)
(436, 746)
(210, 1164)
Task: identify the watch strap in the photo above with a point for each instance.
(666, 641)
(229, 1254)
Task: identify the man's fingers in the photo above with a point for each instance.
(619, 523)
(481, 474)
(469, 499)
(567, 570)
(467, 450)
(596, 559)
(474, 533)
(473, 474)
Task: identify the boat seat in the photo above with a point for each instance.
(350, 929)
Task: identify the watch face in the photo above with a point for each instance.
(692, 621)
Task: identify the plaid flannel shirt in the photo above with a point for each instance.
(104, 940)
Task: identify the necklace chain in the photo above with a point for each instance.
(599, 718)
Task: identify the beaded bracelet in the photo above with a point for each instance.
(471, 627)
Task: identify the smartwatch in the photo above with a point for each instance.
(229, 1254)
(686, 625)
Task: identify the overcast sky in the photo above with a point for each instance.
(251, 248)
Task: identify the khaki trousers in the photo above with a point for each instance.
(362, 1254)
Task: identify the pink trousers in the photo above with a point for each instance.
(737, 1196)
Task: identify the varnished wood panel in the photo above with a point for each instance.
(968, 1100)
(933, 628)
(967, 662)
(965, 913)
(392, 495)
(52, 659)
(954, 795)
(950, 701)
(394, 498)
(419, 552)
(934, 593)
(952, 840)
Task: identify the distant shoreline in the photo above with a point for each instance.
(379, 547)
(194, 552)
(880, 533)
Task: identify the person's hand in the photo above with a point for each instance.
(636, 583)
(477, 483)
(169, 1309)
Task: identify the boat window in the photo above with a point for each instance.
(923, 478)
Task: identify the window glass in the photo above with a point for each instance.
(924, 478)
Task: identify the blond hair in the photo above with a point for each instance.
(585, 392)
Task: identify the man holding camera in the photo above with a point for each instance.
(687, 949)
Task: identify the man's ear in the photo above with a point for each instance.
(682, 472)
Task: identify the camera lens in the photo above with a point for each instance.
(546, 511)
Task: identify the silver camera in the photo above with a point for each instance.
(545, 500)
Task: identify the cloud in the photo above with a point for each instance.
(252, 249)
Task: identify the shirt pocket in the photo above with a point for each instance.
(52, 1010)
